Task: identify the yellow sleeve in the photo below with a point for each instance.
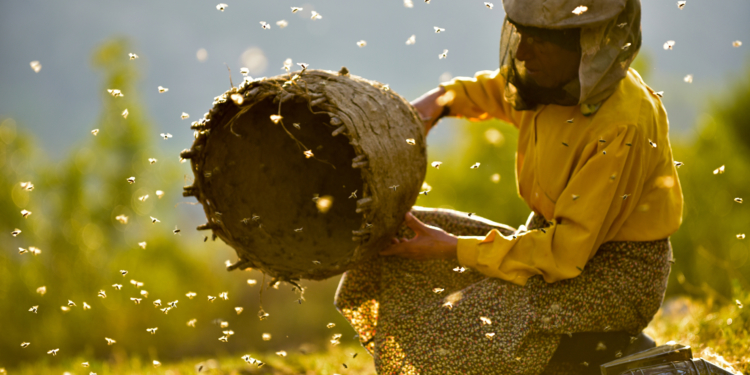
(579, 225)
(478, 98)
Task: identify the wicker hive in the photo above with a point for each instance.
(258, 187)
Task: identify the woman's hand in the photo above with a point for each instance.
(429, 243)
(429, 107)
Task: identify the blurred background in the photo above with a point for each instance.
(80, 188)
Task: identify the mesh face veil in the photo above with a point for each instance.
(607, 49)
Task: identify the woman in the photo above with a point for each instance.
(593, 163)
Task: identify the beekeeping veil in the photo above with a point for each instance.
(610, 36)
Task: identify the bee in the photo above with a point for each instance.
(166, 310)
(276, 118)
(681, 4)
(116, 93)
(409, 3)
(736, 43)
(64, 308)
(438, 290)
(739, 304)
(159, 194)
(137, 284)
(53, 352)
(678, 164)
(652, 143)
(265, 25)
(475, 166)
(143, 198)
(489, 5)
(262, 315)
(110, 341)
(176, 230)
(459, 269)
(144, 293)
(266, 337)
(224, 296)
(448, 305)
(15, 232)
(211, 298)
(152, 330)
(224, 339)
(191, 322)
(303, 65)
(575, 197)
(296, 9)
(361, 43)
(489, 335)
(426, 1)
(688, 78)
(95, 132)
(85, 364)
(621, 25)
(353, 194)
(738, 200)
(443, 55)
(173, 304)
(741, 236)
(668, 45)
(152, 161)
(438, 30)
(282, 24)
(41, 290)
(131, 180)
(298, 229)
(22, 250)
(34, 309)
(719, 170)
(580, 10)
(190, 295)
(308, 154)
(412, 39)
(102, 294)
(132, 56)
(122, 218)
(166, 135)
(156, 363)
(125, 113)
(569, 121)
(281, 353)
(223, 324)
(28, 186)
(315, 15)
(221, 6)
(659, 94)
(154, 220)
(252, 281)
(117, 286)
(35, 66)
(86, 306)
(157, 303)
(239, 310)
(394, 187)
(625, 196)
(137, 301)
(411, 141)
(123, 272)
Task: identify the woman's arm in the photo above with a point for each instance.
(431, 107)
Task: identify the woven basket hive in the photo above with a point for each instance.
(258, 187)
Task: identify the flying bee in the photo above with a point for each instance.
(652, 143)
(15, 232)
(116, 93)
(443, 55)
(102, 294)
(221, 6)
(298, 230)
(668, 45)
(156, 363)
(308, 154)
(123, 272)
(282, 24)
(154, 220)
(71, 303)
(142, 245)
(252, 282)
(41, 290)
(719, 170)
(412, 39)
(459, 269)
(239, 310)
(411, 141)
(265, 25)
(408, 3)
(132, 56)
(173, 304)
(580, 10)
(137, 301)
(190, 295)
(489, 5)
(315, 15)
(448, 305)
(125, 113)
(659, 94)
(211, 298)
(485, 320)
(22, 250)
(576, 196)
(736, 43)
(157, 303)
(353, 194)
(166, 310)
(281, 353)
(165, 135)
(276, 118)
(303, 65)
(152, 330)
(681, 4)
(143, 198)
(688, 78)
(489, 335)
(95, 132)
(296, 9)
(122, 218)
(438, 30)
(110, 341)
(53, 352)
(738, 200)
(25, 344)
(176, 230)
(34, 309)
(678, 164)
(625, 196)
(152, 161)
(159, 194)
(191, 322)
(35, 66)
(437, 164)
(86, 306)
(64, 308)
(266, 337)
(131, 180)
(475, 166)
(163, 89)
(296, 125)
(741, 236)
(224, 295)
(361, 43)
(224, 339)
(223, 324)
(394, 187)
(28, 186)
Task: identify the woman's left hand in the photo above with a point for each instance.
(429, 243)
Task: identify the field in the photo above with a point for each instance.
(718, 334)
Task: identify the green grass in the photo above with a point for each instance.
(702, 324)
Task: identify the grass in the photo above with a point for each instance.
(719, 333)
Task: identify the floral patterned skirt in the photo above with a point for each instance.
(427, 318)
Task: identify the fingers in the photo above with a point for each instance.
(417, 226)
(391, 250)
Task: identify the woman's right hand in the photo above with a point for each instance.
(429, 107)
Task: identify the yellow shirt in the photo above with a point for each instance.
(606, 177)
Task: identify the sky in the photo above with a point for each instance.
(61, 103)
